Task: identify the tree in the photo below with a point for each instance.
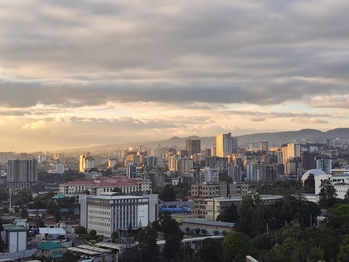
(344, 250)
(187, 230)
(129, 229)
(328, 194)
(167, 194)
(317, 254)
(346, 196)
(147, 243)
(80, 230)
(197, 231)
(246, 210)
(309, 183)
(93, 233)
(229, 215)
(185, 254)
(24, 213)
(236, 246)
(115, 235)
(173, 237)
(211, 250)
(2, 245)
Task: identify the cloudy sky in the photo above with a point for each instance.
(83, 73)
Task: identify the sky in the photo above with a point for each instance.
(84, 73)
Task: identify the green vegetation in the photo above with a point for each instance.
(68, 175)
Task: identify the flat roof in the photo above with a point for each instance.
(239, 198)
(84, 251)
(44, 230)
(108, 245)
(93, 248)
(111, 196)
(207, 222)
(192, 239)
(200, 238)
(12, 227)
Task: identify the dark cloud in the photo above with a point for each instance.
(257, 119)
(99, 93)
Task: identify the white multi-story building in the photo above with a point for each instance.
(252, 172)
(59, 169)
(209, 174)
(110, 212)
(215, 206)
(340, 182)
(323, 163)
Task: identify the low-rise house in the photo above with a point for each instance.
(51, 250)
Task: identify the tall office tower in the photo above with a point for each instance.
(223, 145)
(308, 160)
(213, 150)
(234, 144)
(263, 146)
(82, 163)
(22, 173)
(172, 163)
(131, 171)
(193, 146)
(252, 172)
(279, 157)
(290, 150)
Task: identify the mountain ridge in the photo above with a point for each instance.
(313, 135)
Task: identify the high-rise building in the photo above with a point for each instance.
(82, 163)
(184, 164)
(223, 145)
(263, 146)
(193, 146)
(290, 151)
(323, 163)
(22, 173)
(308, 160)
(234, 144)
(131, 171)
(86, 162)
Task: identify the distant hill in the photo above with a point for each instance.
(311, 135)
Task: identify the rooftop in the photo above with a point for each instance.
(50, 245)
(114, 195)
(207, 222)
(59, 231)
(12, 227)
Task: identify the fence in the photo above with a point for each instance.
(18, 255)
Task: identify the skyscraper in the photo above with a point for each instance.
(22, 173)
(263, 146)
(234, 144)
(223, 145)
(193, 146)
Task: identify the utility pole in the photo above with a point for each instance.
(267, 228)
(10, 200)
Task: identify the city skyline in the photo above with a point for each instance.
(80, 74)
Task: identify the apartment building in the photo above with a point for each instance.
(22, 173)
(200, 192)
